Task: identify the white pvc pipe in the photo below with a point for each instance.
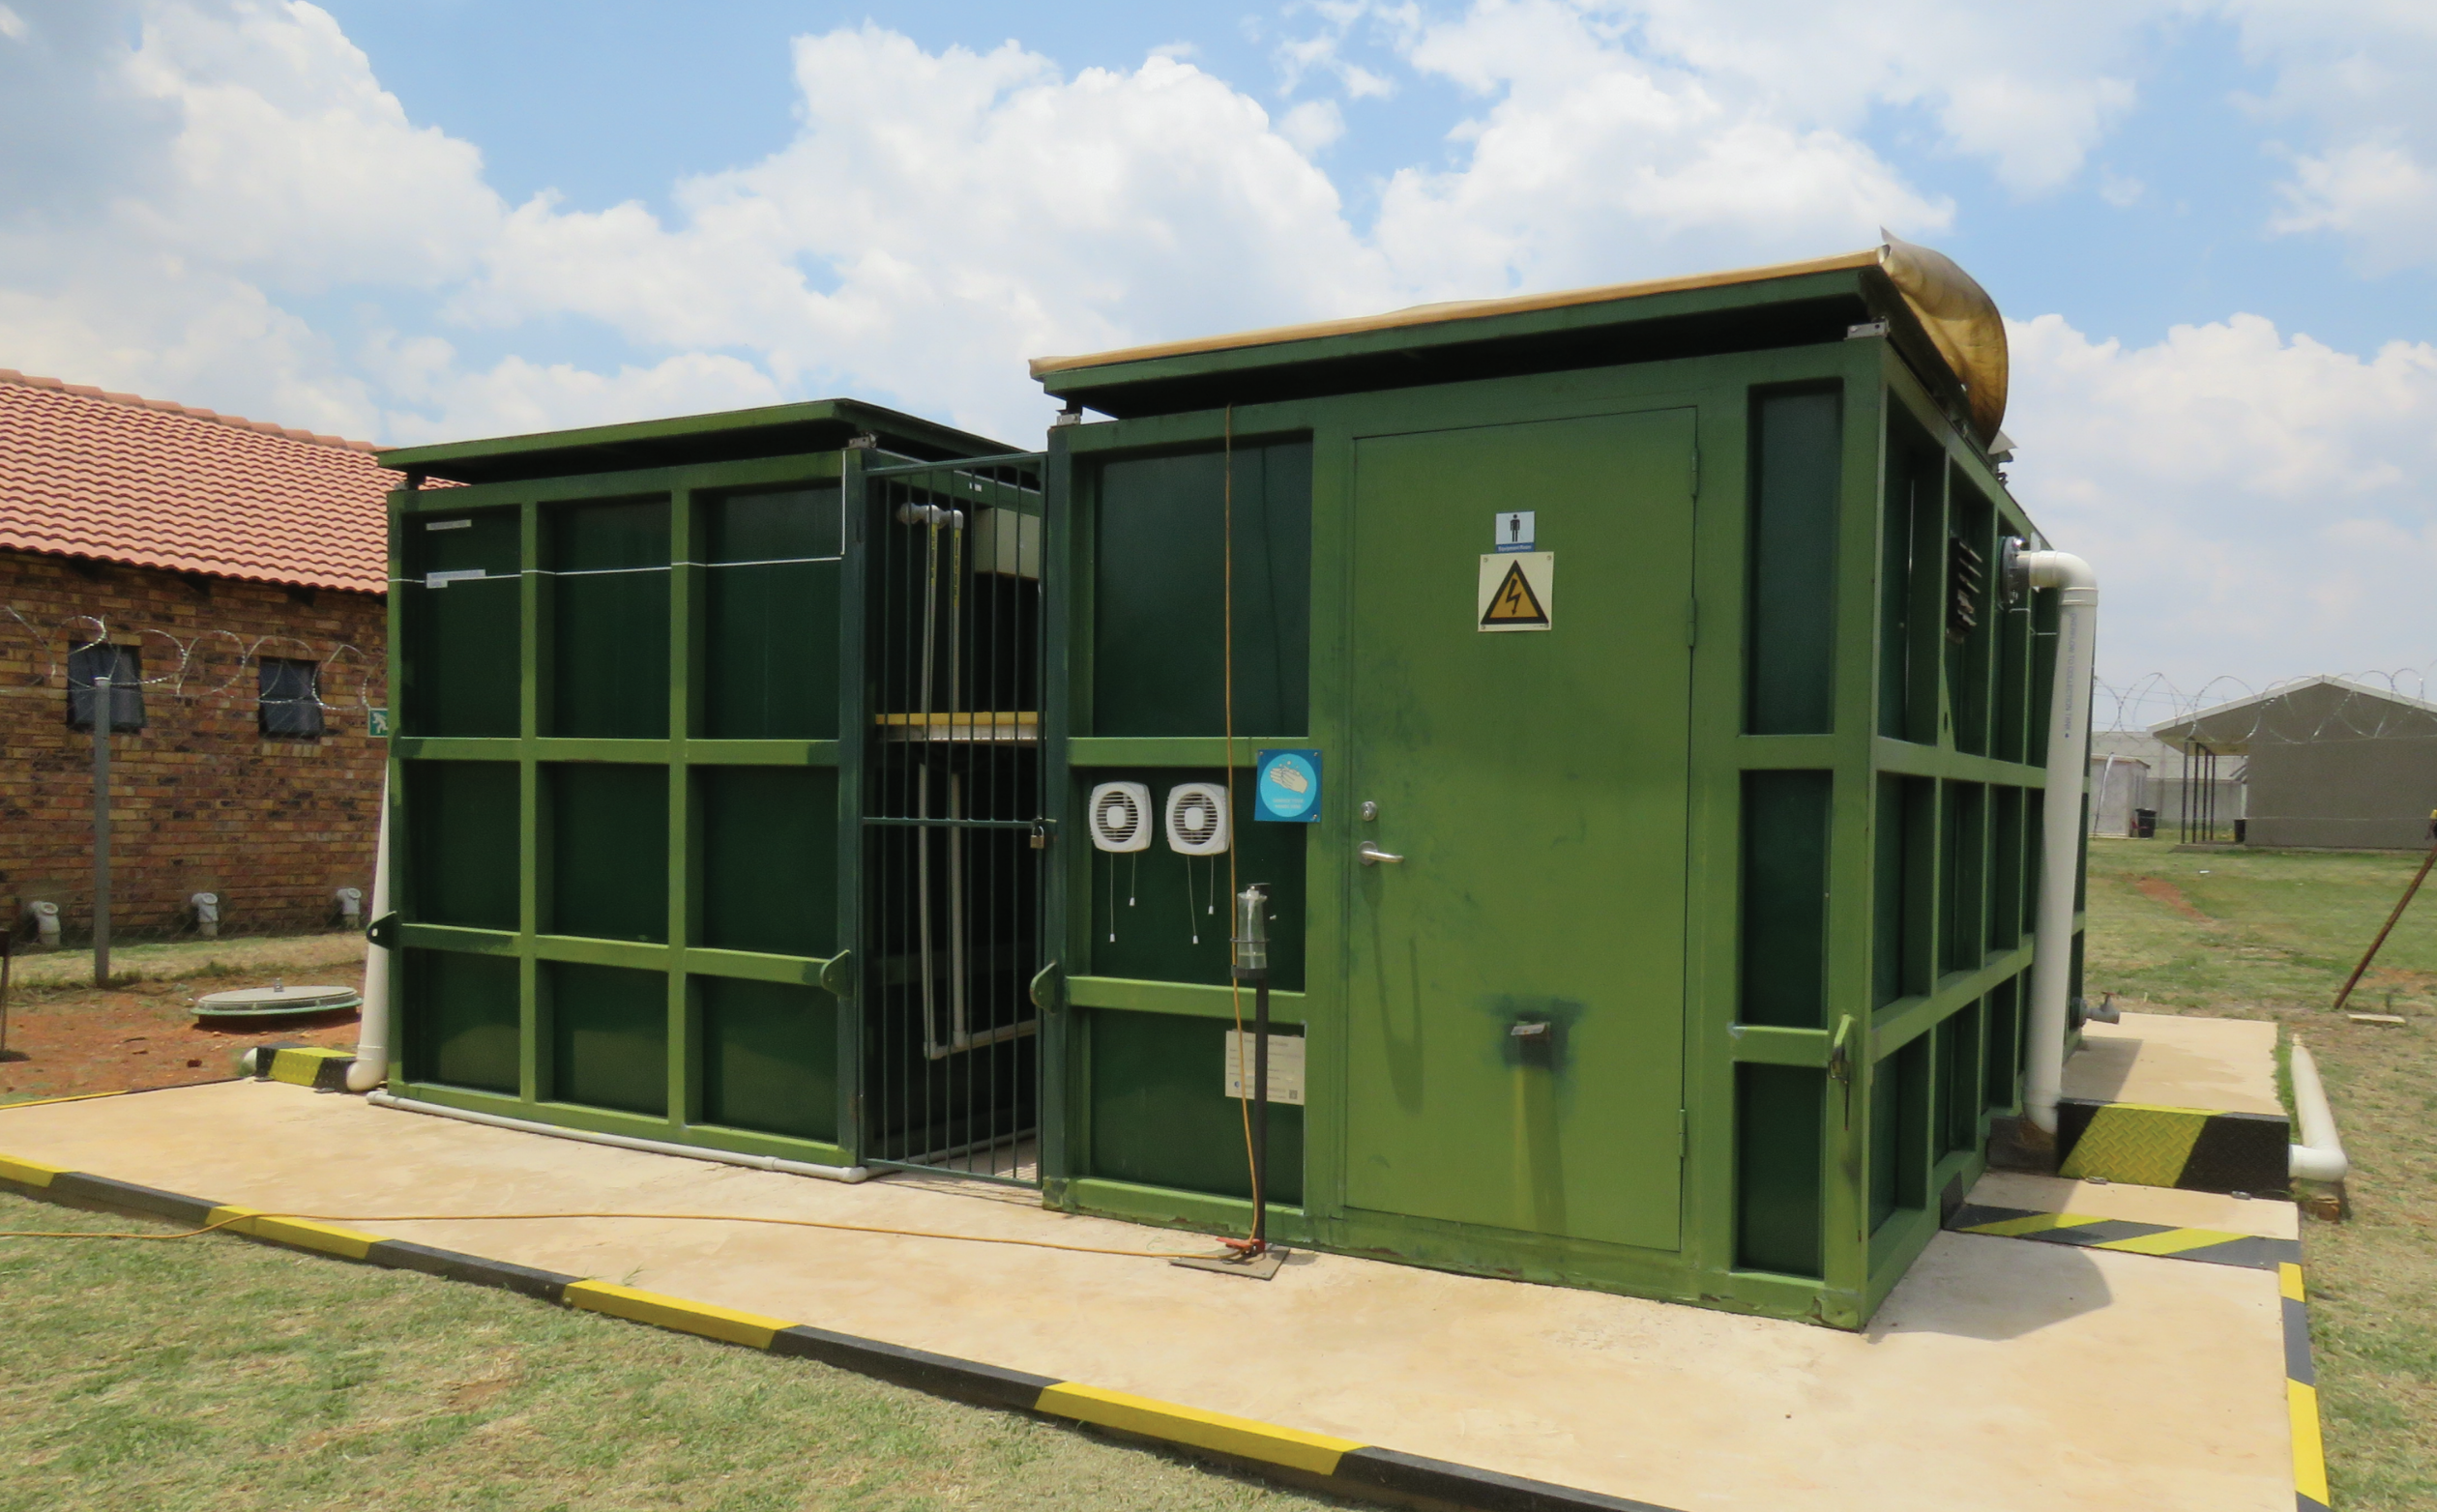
(649, 1146)
(2060, 827)
(2320, 1156)
(373, 1027)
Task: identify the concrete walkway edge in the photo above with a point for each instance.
(1339, 1466)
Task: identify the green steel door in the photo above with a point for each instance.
(1534, 782)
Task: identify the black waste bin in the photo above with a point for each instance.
(2145, 824)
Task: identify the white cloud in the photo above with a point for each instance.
(1312, 124)
(2254, 503)
(2376, 194)
(2355, 73)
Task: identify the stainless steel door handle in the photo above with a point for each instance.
(1371, 855)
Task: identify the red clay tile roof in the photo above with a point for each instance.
(156, 484)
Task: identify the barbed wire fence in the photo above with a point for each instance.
(199, 666)
(205, 671)
(2189, 755)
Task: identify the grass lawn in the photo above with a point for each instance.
(216, 1373)
(2273, 935)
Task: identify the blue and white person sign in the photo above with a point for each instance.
(1286, 786)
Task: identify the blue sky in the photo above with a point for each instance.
(2214, 221)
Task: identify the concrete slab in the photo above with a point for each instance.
(1997, 1377)
(2265, 1217)
(2224, 1065)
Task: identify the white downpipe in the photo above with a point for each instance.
(649, 1146)
(2320, 1156)
(2060, 827)
(373, 1027)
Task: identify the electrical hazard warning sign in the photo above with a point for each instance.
(1517, 590)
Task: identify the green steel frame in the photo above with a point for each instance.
(1933, 888)
(520, 485)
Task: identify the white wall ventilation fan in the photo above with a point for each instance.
(1121, 816)
(1197, 819)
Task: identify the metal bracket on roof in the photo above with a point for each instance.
(1867, 328)
(866, 442)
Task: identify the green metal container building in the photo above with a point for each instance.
(1659, 912)
(659, 686)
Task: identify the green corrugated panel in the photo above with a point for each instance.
(1777, 1168)
(608, 1036)
(461, 1020)
(770, 652)
(1785, 899)
(463, 650)
(461, 843)
(608, 846)
(1154, 920)
(1797, 450)
(1160, 1115)
(608, 624)
(769, 859)
(1159, 649)
(768, 1058)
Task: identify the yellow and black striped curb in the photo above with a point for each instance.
(2282, 1255)
(1343, 1466)
(2145, 1145)
(304, 1065)
(2309, 1450)
(2213, 1246)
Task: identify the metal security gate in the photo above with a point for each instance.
(955, 841)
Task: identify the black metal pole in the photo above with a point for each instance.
(1260, 1111)
(1252, 965)
(105, 718)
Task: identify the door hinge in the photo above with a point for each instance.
(1692, 622)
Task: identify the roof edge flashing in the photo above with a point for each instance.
(1445, 313)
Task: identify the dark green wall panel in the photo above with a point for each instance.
(1777, 1168)
(1160, 1114)
(465, 649)
(607, 839)
(608, 1036)
(1899, 1131)
(769, 617)
(769, 859)
(608, 620)
(768, 1058)
(1797, 453)
(461, 1020)
(1785, 899)
(462, 828)
(1158, 640)
(1173, 898)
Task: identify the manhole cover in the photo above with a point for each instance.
(276, 1000)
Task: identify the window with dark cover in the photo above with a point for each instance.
(88, 664)
(289, 709)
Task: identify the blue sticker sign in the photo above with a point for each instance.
(1286, 786)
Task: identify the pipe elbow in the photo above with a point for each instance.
(2060, 569)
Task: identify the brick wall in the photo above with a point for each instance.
(200, 800)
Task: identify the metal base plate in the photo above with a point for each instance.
(1258, 1267)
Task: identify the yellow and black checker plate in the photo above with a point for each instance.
(2211, 1245)
(2147, 1144)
